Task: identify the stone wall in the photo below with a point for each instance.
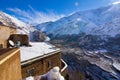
(41, 66)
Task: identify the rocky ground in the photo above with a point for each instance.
(91, 65)
(95, 57)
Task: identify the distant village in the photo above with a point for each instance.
(21, 59)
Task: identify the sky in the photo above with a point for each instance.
(39, 11)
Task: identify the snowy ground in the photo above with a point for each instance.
(37, 49)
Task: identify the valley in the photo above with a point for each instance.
(93, 66)
(89, 40)
(91, 56)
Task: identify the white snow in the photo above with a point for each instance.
(101, 21)
(54, 74)
(116, 65)
(79, 19)
(30, 78)
(9, 20)
(47, 39)
(17, 22)
(117, 2)
(103, 51)
(37, 49)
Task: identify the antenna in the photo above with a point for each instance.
(11, 43)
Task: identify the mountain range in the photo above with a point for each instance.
(93, 36)
(22, 28)
(101, 21)
(83, 37)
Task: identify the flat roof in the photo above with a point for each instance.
(37, 50)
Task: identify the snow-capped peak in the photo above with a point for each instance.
(101, 21)
(11, 21)
(16, 21)
(117, 2)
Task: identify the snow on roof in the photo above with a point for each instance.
(37, 49)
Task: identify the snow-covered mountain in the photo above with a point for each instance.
(23, 28)
(101, 21)
(90, 30)
(9, 20)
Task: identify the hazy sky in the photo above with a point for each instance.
(48, 10)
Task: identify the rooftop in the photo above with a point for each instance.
(37, 49)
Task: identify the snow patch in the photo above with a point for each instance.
(117, 2)
(116, 65)
(79, 19)
(30, 78)
(54, 74)
(17, 22)
(37, 49)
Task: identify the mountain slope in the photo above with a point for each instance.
(8, 20)
(89, 32)
(101, 21)
(73, 24)
(22, 27)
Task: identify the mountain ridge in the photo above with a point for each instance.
(22, 28)
(95, 22)
(11, 21)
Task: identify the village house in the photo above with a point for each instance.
(39, 59)
(36, 58)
